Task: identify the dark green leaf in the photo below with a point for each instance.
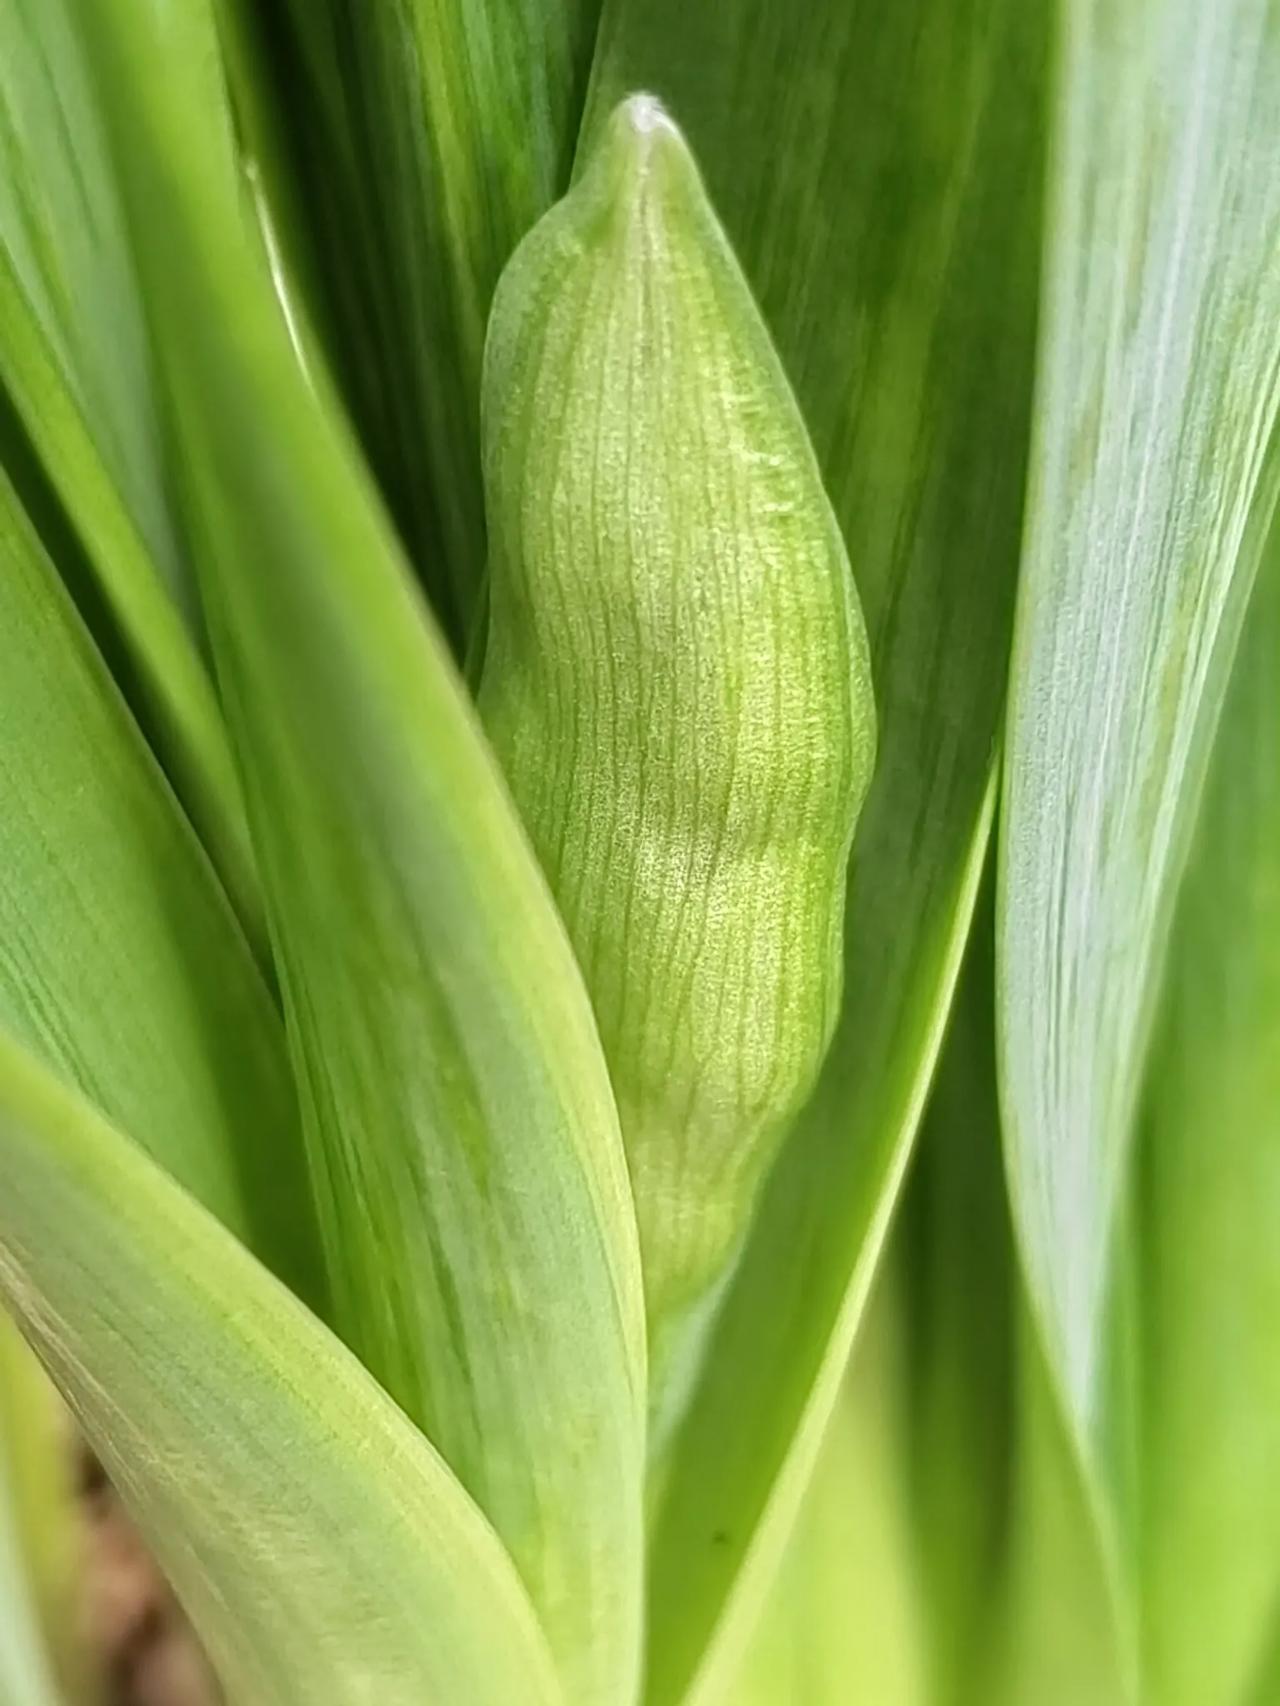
(421, 142)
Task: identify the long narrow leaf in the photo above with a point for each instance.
(475, 1207)
(1208, 1213)
(29, 1503)
(321, 1548)
(877, 169)
(422, 140)
(1055, 1624)
(956, 1269)
(75, 366)
(120, 959)
(844, 1618)
(1151, 485)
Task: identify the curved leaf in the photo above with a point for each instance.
(30, 1508)
(843, 1621)
(120, 961)
(1153, 477)
(877, 169)
(76, 366)
(955, 1268)
(421, 140)
(474, 1202)
(321, 1548)
(1208, 1212)
(1055, 1623)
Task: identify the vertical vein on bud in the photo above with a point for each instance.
(678, 686)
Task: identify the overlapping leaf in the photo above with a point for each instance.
(322, 1549)
(1153, 478)
(844, 1618)
(1208, 1209)
(76, 370)
(419, 142)
(30, 1514)
(464, 1141)
(878, 171)
(120, 959)
(954, 1265)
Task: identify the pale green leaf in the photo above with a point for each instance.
(877, 169)
(952, 1258)
(1053, 1627)
(1151, 483)
(121, 962)
(322, 1549)
(32, 1509)
(677, 685)
(420, 141)
(1209, 1218)
(76, 369)
(464, 1141)
(844, 1618)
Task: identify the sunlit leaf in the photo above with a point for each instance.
(877, 169)
(322, 1549)
(1055, 1619)
(844, 1618)
(33, 1511)
(1209, 1215)
(473, 1194)
(1151, 484)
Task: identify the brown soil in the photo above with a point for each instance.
(137, 1639)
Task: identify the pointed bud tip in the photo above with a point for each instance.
(646, 116)
(646, 129)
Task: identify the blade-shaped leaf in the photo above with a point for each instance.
(473, 1192)
(954, 1265)
(32, 1512)
(426, 138)
(1208, 1213)
(121, 962)
(1054, 1624)
(76, 367)
(321, 1548)
(877, 170)
(1151, 483)
(677, 684)
(843, 1621)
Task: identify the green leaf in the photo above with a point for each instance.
(955, 1267)
(424, 139)
(76, 368)
(121, 962)
(32, 1511)
(1208, 1212)
(878, 172)
(843, 1621)
(1054, 1623)
(321, 1548)
(677, 685)
(1153, 478)
(464, 1142)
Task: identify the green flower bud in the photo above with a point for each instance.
(677, 684)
